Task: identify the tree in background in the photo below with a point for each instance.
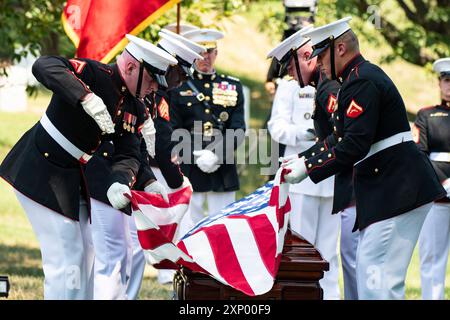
(31, 26)
(416, 30)
(34, 26)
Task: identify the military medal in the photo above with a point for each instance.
(224, 116)
(133, 122)
(129, 121)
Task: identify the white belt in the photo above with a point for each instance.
(63, 142)
(386, 143)
(440, 156)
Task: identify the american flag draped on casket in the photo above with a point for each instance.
(240, 247)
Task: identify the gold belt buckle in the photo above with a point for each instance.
(207, 129)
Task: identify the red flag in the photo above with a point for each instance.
(98, 27)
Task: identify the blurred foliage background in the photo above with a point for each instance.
(403, 37)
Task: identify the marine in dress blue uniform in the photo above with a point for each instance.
(114, 234)
(47, 165)
(391, 203)
(291, 123)
(205, 106)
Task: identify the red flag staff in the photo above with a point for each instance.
(178, 16)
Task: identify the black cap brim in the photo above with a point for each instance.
(317, 51)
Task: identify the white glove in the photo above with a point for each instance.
(207, 161)
(306, 135)
(298, 170)
(149, 135)
(95, 107)
(116, 197)
(446, 185)
(287, 158)
(157, 187)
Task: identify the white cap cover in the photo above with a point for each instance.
(143, 50)
(178, 49)
(442, 66)
(205, 37)
(295, 41)
(321, 37)
(188, 43)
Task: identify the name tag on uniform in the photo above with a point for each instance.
(439, 114)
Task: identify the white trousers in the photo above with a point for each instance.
(349, 246)
(434, 244)
(311, 217)
(215, 202)
(66, 249)
(384, 253)
(119, 259)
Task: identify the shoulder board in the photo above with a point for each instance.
(233, 78)
(427, 108)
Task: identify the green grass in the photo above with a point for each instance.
(241, 54)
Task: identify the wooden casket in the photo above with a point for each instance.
(298, 277)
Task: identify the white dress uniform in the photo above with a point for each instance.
(432, 132)
(311, 203)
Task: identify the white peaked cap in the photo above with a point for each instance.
(143, 50)
(183, 28)
(177, 48)
(295, 41)
(205, 37)
(442, 66)
(321, 37)
(188, 43)
(299, 3)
